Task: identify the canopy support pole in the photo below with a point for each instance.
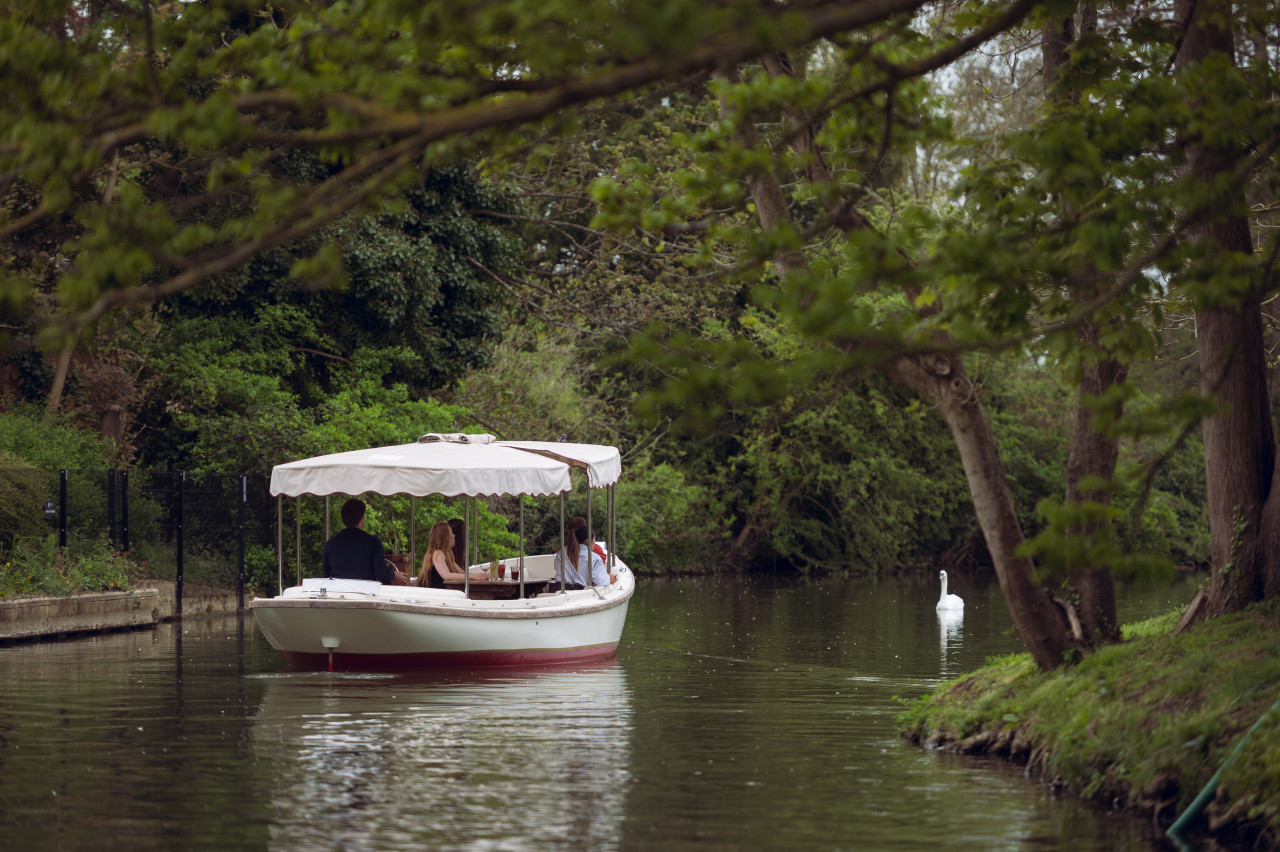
(327, 499)
(466, 546)
(280, 543)
(413, 534)
(564, 545)
(591, 539)
(297, 513)
(520, 557)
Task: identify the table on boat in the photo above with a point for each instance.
(492, 590)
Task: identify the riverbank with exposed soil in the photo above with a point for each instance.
(1143, 725)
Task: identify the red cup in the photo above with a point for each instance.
(515, 574)
(502, 571)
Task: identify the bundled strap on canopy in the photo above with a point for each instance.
(602, 463)
(455, 438)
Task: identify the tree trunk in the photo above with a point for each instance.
(766, 192)
(945, 383)
(1239, 444)
(1239, 451)
(1093, 454)
(61, 369)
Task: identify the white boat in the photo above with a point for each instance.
(365, 625)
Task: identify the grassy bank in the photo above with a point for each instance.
(1141, 725)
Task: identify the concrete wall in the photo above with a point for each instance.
(152, 602)
(203, 600)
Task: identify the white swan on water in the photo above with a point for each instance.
(946, 601)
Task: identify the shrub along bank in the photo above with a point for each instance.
(1142, 725)
(37, 566)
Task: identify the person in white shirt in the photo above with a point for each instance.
(580, 521)
(582, 567)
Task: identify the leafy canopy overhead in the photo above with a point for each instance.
(145, 149)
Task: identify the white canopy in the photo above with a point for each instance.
(442, 464)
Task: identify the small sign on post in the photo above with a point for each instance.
(50, 507)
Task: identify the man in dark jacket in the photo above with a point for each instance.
(354, 554)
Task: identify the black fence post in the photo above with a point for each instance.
(181, 513)
(111, 507)
(244, 500)
(124, 510)
(62, 508)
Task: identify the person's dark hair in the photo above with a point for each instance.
(352, 512)
(459, 528)
(576, 535)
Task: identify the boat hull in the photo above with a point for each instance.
(397, 628)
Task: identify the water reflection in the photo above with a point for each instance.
(949, 623)
(384, 762)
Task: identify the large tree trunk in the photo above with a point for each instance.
(1094, 456)
(1093, 453)
(1239, 444)
(1239, 451)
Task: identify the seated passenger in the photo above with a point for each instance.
(354, 554)
(582, 567)
(439, 564)
(580, 521)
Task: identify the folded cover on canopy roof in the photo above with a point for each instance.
(442, 467)
(602, 462)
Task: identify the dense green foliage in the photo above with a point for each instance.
(223, 401)
(26, 435)
(425, 274)
(869, 481)
(32, 451)
(37, 566)
(21, 510)
(279, 231)
(1146, 722)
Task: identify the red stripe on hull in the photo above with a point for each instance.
(454, 660)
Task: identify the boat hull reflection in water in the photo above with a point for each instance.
(362, 757)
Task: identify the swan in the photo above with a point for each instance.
(946, 601)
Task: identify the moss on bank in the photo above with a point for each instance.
(1141, 725)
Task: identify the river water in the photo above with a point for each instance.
(738, 714)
